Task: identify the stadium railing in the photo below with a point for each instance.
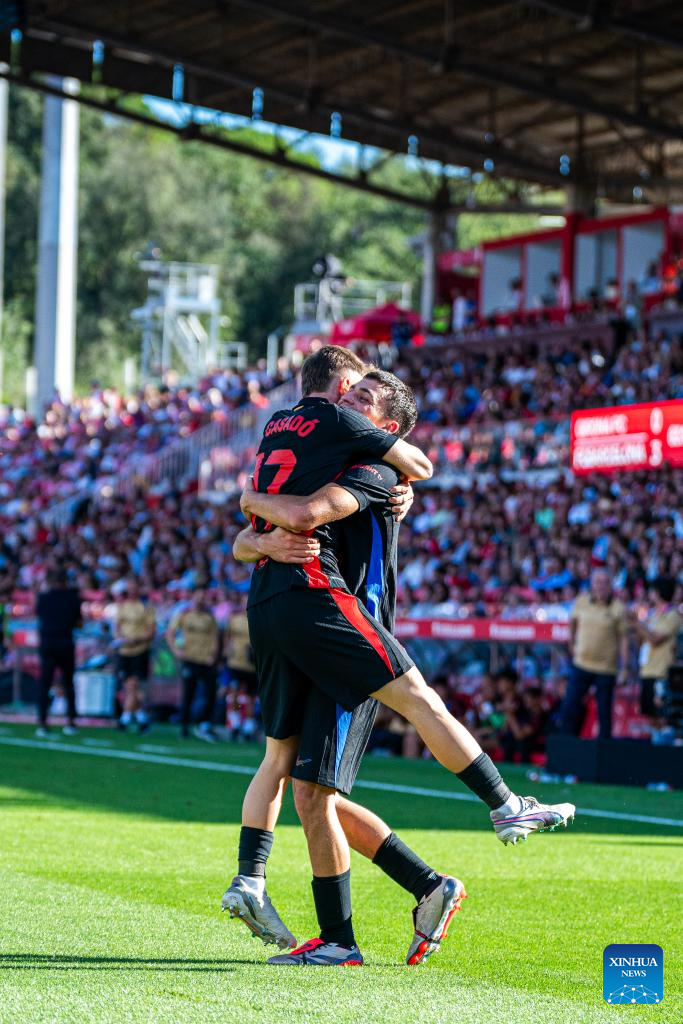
(180, 460)
(503, 335)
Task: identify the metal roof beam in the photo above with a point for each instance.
(452, 147)
(280, 158)
(543, 86)
(630, 25)
(529, 82)
(540, 83)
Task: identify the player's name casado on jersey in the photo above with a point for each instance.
(314, 457)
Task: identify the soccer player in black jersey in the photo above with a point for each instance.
(331, 740)
(318, 630)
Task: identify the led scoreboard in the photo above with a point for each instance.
(627, 437)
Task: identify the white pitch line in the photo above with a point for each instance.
(241, 769)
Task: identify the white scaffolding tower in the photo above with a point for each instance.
(180, 322)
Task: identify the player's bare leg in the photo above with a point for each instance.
(330, 860)
(364, 831)
(438, 896)
(263, 799)
(246, 897)
(457, 750)
(327, 845)
(132, 703)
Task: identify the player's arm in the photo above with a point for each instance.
(279, 545)
(652, 636)
(366, 440)
(151, 617)
(401, 500)
(356, 488)
(171, 633)
(300, 513)
(622, 675)
(411, 463)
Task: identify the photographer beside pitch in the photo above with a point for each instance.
(308, 625)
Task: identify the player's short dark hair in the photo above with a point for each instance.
(665, 587)
(320, 368)
(399, 401)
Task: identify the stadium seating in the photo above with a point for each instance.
(502, 527)
(503, 530)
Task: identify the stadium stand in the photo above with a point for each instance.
(503, 531)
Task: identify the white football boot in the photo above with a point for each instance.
(531, 816)
(432, 916)
(248, 900)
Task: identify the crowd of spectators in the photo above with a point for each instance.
(527, 382)
(510, 720)
(169, 543)
(659, 288)
(93, 438)
(488, 542)
(516, 550)
(502, 530)
(488, 537)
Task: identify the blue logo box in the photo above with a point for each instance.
(633, 974)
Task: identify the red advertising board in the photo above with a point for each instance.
(492, 630)
(496, 630)
(627, 437)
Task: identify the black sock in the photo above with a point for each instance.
(332, 897)
(405, 867)
(254, 850)
(484, 779)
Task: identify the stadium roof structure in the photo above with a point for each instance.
(584, 93)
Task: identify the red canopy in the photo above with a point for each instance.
(373, 325)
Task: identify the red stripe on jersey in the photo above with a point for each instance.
(316, 577)
(348, 606)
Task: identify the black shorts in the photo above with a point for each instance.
(648, 692)
(332, 741)
(136, 665)
(320, 639)
(243, 677)
(193, 670)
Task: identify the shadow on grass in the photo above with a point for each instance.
(58, 962)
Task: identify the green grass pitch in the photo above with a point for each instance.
(112, 869)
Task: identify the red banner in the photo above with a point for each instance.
(493, 630)
(627, 437)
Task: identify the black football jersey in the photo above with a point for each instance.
(303, 449)
(367, 541)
